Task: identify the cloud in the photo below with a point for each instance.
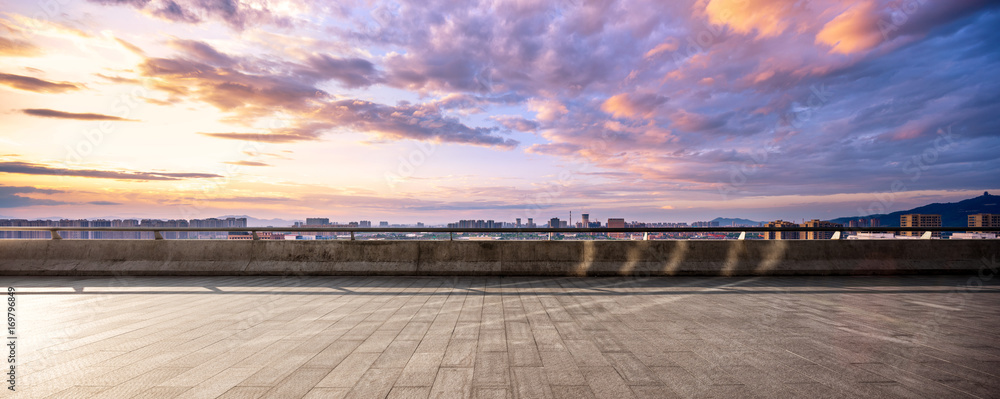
(672, 101)
(49, 113)
(232, 89)
(248, 163)
(36, 85)
(671, 44)
(262, 137)
(517, 123)
(10, 197)
(255, 154)
(852, 31)
(18, 48)
(202, 52)
(130, 47)
(236, 14)
(765, 17)
(37, 169)
(118, 79)
(633, 105)
(406, 121)
(351, 72)
(104, 203)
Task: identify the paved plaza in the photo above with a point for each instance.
(398, 337)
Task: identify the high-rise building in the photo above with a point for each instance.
(130, 235)
(26, 223)
(75, 235)
(818, 235)
(365, 223)
(170, 235)
(919, 220)
(518, 222)
(984, 220)
(101, 235)
(554, 223)
(781, 235)
(585, 221)
(383, 224)
(616, 223)
(317, 221)
(214, 224)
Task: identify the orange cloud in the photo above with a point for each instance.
(766, 17)
(632, 105)
(670, 44)
(852, 31)
(547, 110)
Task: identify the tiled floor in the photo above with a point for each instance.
(374, 337)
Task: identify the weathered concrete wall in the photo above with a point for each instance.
(494, 258)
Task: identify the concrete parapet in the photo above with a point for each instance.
(494, 258)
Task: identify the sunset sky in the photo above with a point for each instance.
(435, 111)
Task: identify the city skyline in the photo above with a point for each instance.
(683, 111)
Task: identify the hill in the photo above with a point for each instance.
(953, 214)
(736, 222)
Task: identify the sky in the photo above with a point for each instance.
(435, 111)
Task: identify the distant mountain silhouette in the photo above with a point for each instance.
(953, 214)
(737, 221)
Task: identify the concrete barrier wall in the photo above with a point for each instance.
(493, 258)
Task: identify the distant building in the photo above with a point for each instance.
(585, 221)
(616, 223)
(75, 235)
(25, 234)
(873, 222)
(919, 220)
(781, 235)
(317, 221)
(818, 235)
(984, 220)
(531, 223)
(365, 223)
(383, 224)
(155, 223)
(554, 223)
(705, 224)
(133, 235)
(214, 223)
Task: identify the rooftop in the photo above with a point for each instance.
(249, 337)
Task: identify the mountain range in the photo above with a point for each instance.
(953, 214)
